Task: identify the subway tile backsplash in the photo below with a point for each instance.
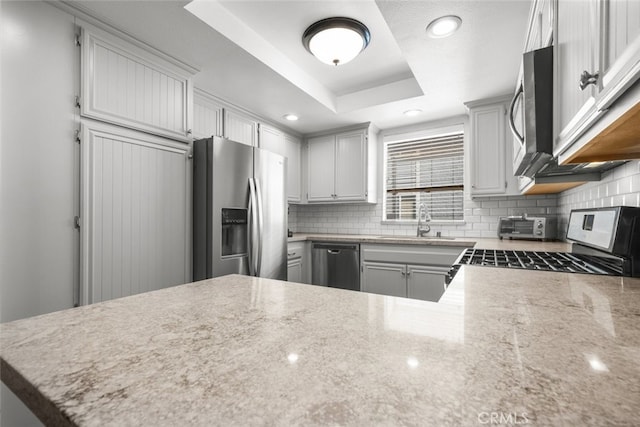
(481, 217)
(620, 186)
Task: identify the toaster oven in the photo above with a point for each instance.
(528, 227)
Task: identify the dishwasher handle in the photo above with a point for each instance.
(335, 248)
(334, 251)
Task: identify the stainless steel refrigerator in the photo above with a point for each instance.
(239, 210)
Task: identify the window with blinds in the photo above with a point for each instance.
(429, 171)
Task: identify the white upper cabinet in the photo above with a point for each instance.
(272, 139)
(286, 145)
(351, 170)
(240, 128)
(292, 148)
(575, 53)
(597, 59)
(341, 167)
(321, 168)
(208, 115)
(124, 84)
(490, 157)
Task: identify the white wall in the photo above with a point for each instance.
(38, 168)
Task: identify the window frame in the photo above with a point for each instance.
(414, 136)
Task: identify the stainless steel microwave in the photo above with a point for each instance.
(528, 227)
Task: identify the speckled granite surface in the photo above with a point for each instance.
(533, 348)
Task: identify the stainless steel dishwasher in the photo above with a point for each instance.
(336, 265)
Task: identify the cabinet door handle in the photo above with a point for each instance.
(587, 79)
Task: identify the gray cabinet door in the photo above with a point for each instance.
(384, 279)
(425, 283)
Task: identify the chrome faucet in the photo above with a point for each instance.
(423, 217)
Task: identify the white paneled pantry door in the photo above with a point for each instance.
(135, 220)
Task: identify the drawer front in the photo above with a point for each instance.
(295, 250)
(427, 255)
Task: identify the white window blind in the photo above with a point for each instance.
(428, 170)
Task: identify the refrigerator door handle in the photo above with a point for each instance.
(260, 227)
(253, 228)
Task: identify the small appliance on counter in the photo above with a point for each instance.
(528, 227)
(605, 241)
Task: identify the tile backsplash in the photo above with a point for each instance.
(618, 187)
(481, 217)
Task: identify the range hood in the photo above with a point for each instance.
(531, 121)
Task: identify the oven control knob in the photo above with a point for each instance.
(539, 232)
(540, 225)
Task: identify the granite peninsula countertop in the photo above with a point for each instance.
(535, 348)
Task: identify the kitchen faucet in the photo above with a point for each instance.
(423, 217)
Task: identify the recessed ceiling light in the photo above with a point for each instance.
(444, 26)
(336, 41)
(290, 117)
(412, 113)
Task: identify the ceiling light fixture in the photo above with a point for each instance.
(290, 117)
(443, 26)
(336, 41)
(412, 113)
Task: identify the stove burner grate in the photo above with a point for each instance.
(543, 261)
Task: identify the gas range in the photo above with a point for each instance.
(605, 241)
(545, 261)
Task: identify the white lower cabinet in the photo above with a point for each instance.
(426, 283)
(298, 262)
(294, 270)
(384, 279)
(402, 280)
(417, 272)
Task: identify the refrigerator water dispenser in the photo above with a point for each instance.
(234, 232)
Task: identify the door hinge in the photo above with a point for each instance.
(77, 101)
(505, 184)
(77, 40)
(76, 222)
(78, 140)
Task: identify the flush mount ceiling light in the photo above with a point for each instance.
(443, 26)
(290, 117)
(336, 41)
